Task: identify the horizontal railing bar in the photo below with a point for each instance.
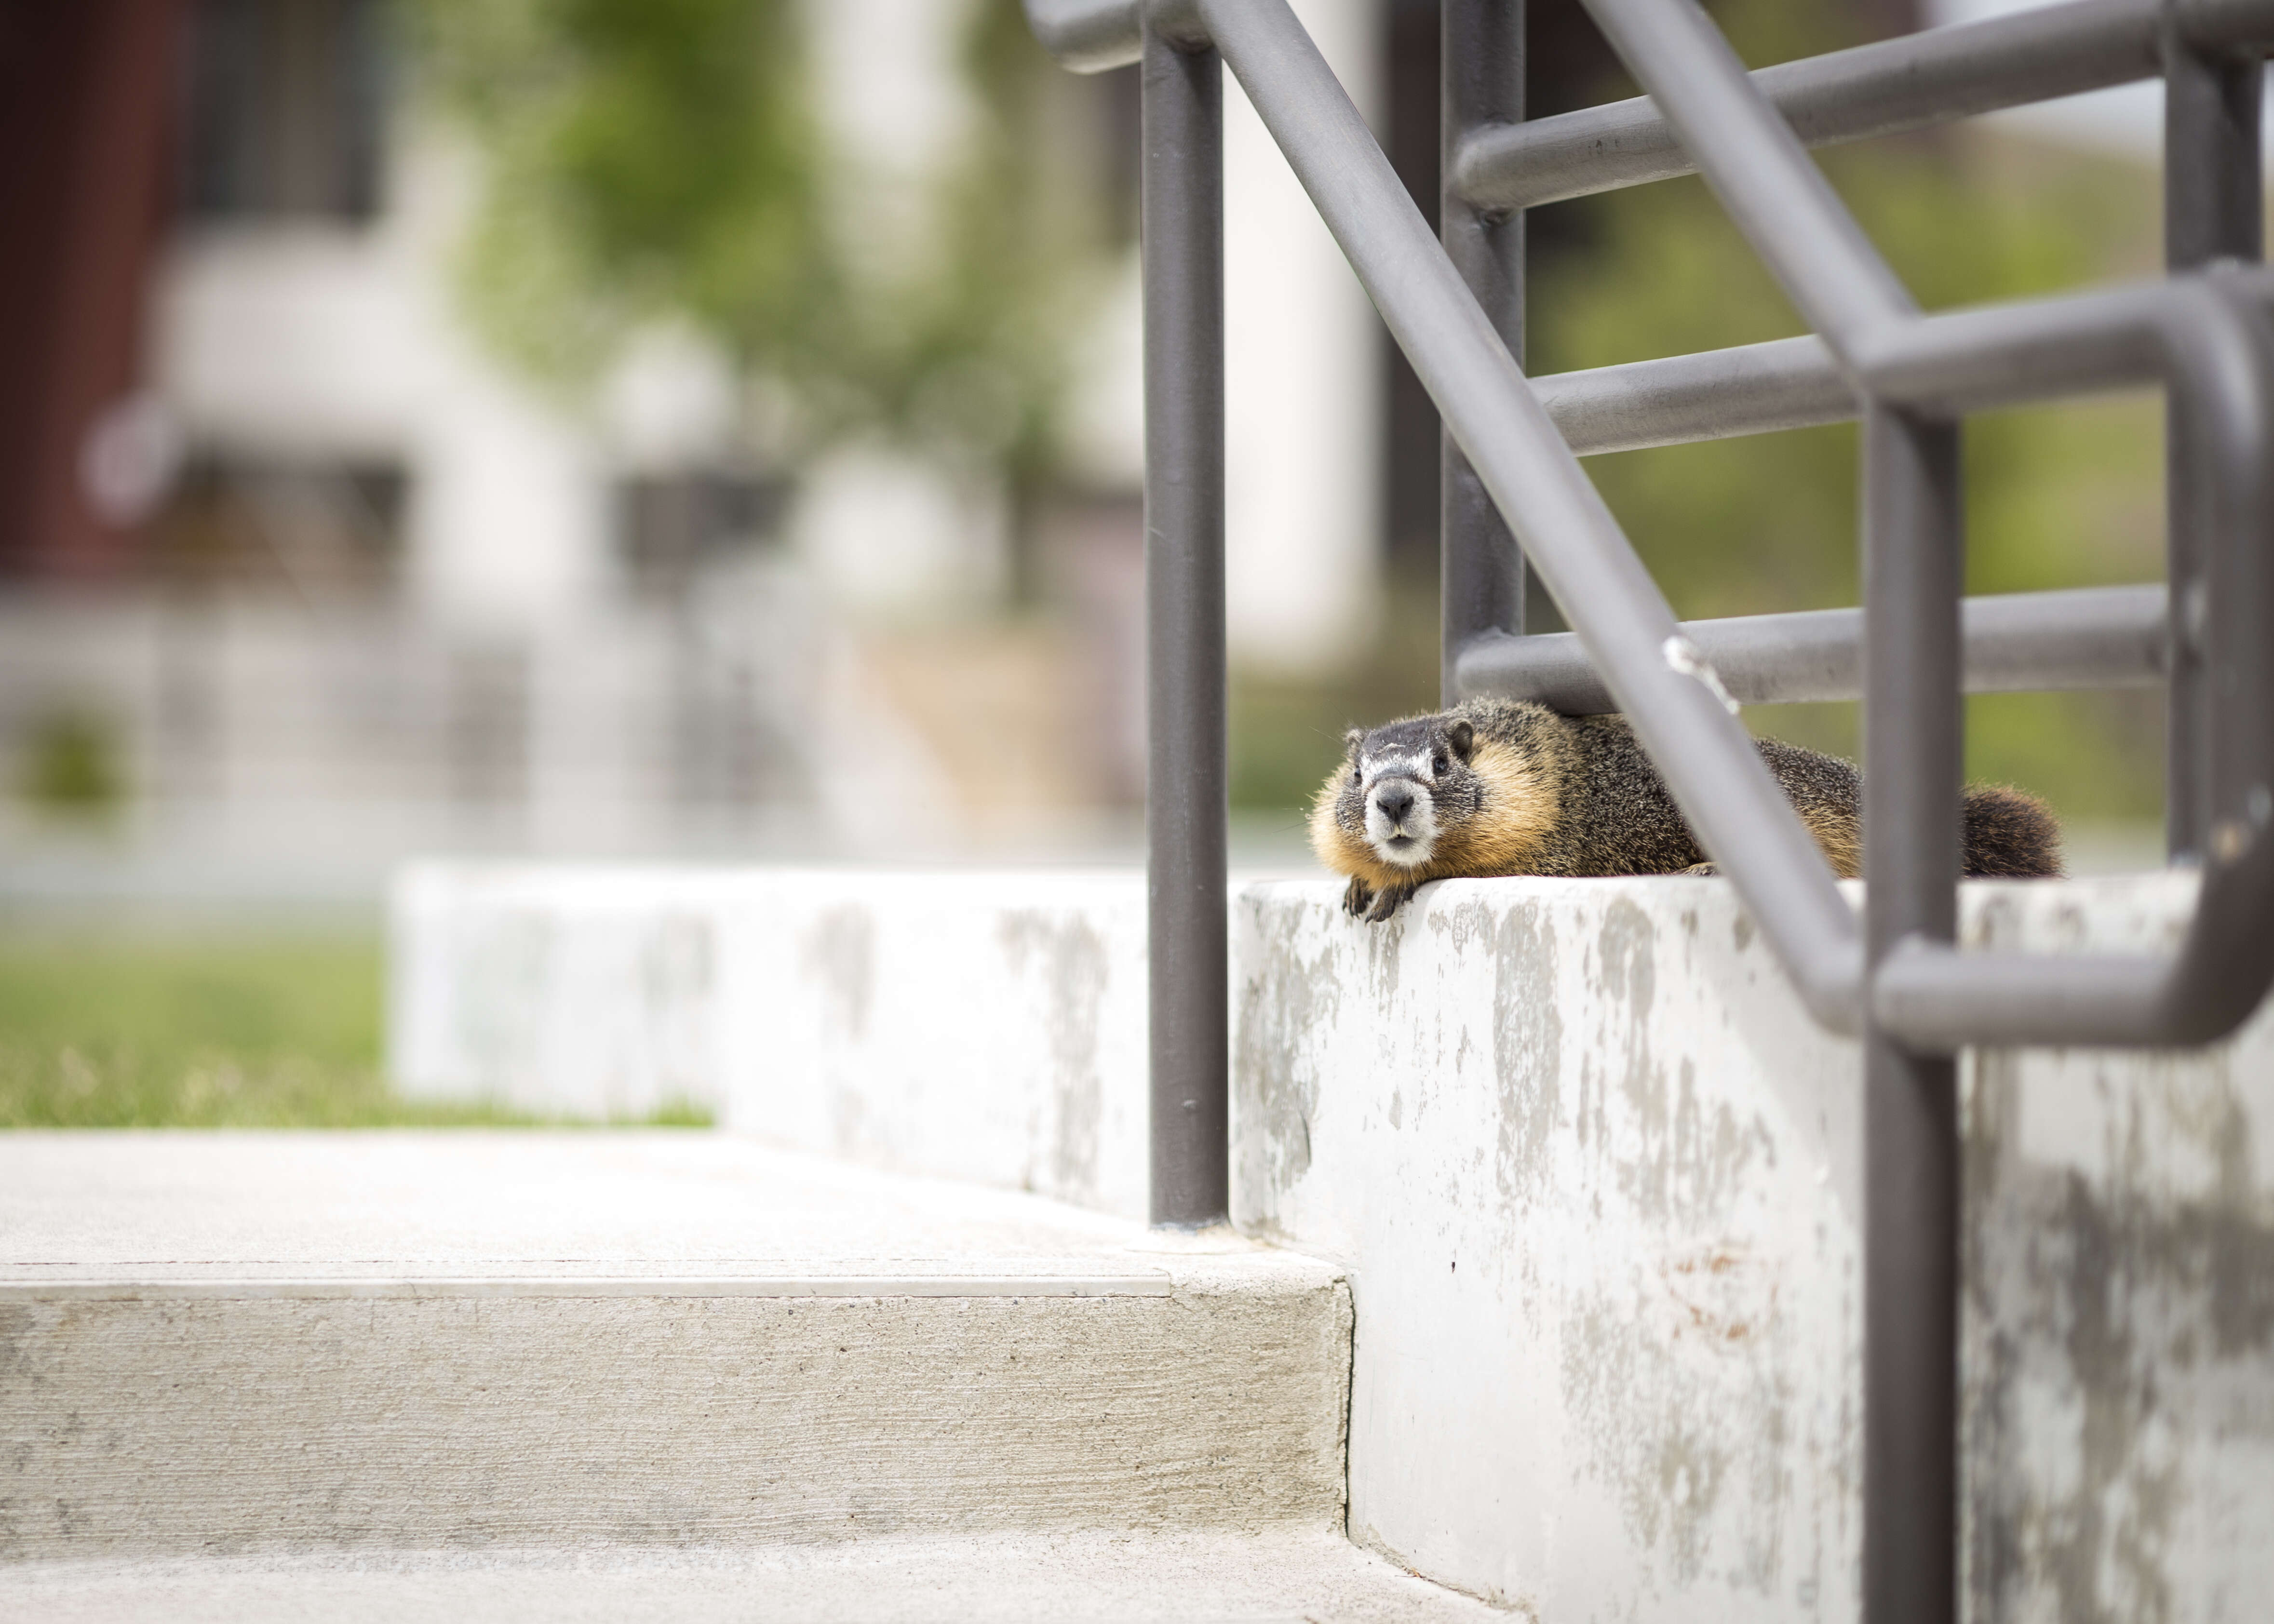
(1567, 531)
(1787, 383)
(1884, 88)
(1790, 383)
(2090, 637)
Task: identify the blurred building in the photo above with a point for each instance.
(296, 569)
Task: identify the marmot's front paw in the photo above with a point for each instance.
(1356, 895)
(1389, 902)
(1703, 869)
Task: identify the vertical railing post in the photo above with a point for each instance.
(1182, 190)
(1912, 736)
(1481, 64)
(2213, 209)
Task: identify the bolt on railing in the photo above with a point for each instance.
(1512, 475)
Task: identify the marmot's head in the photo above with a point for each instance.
(1405, 786)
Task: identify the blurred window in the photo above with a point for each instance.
(670, 526)
(319, 529)
(287, 109)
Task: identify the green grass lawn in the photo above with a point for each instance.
(252, 1031)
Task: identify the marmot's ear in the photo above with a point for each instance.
(1462, 735)
(1351, 741)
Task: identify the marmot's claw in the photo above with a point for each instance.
(1356, 895)
(1703, 869)
(1389, 902)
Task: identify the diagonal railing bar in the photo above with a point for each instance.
(1577, 547)
(1884, 88)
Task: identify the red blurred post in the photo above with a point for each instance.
(88, 103)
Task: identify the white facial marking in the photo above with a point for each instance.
(1403, 830)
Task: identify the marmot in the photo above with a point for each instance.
(1495, 786)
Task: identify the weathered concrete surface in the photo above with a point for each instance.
(2121, 1306)
(1589, 1164)
(250, 1343)
(986, 1026)
(1597, 1177)
(999, 1578)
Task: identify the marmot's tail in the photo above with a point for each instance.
(2010, 835)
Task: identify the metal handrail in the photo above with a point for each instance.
(1456, 310)
(1791, 383)
(2018, 642)
(2213, 353)
(1933, 77)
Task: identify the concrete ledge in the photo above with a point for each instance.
(1594, 1176)
(982, 1026)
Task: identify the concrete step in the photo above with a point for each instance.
(324, 1343)
(1001, 1579)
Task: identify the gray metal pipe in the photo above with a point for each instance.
(2214, 205)
(2217, 353)
(1909, 83)
(1913, 743)
(1620, 615)
(2067, 344)
(2091, 637)
(1480, 567)
(1185, 776)
(1787, 383)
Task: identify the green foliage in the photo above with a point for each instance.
(73, 766)
(644, 156)
(662, 159)
(234, 1033)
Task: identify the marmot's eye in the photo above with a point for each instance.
(1439, 766)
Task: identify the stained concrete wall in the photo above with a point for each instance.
(1597, 1180)
(1594, 1176)
(985, 1027)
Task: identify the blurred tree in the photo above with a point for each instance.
(665, 158)
(73, 765)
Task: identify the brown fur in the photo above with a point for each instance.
(1538, 793)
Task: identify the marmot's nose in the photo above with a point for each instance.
(1396, 803)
